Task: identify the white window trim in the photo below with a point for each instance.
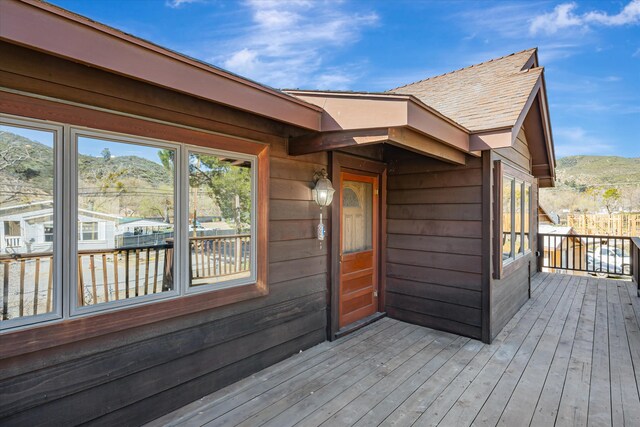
(523, 185)
(58, 220)
(188, 149)
(72, 289)
(80, 224)
(66, 200)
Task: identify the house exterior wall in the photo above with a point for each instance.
(511, 291)
(140, 373)
(434, 243)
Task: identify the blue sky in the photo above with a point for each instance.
(590, 49)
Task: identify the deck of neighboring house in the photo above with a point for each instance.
(567, 357)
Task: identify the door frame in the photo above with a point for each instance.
(341, 162)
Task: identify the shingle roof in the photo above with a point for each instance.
(485, 96)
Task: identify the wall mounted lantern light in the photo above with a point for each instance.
(323, 195)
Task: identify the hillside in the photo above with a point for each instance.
(26, 174)
(594, 184)
(598, 170)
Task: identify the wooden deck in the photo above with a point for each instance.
(566, 358)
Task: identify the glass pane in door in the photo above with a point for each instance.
(357, 216)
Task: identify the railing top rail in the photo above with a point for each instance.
(219, 237)
(595, 236)
(15, 257)
(168, 245)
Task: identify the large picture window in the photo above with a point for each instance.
(515, 218)
(133, 220)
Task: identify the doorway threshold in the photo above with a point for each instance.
(359, 324)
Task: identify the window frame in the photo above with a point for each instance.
(58, 223)
(188, 149)
(66, 329)
(503, 267)
(45, 234)
(76, 132)
(82, 232)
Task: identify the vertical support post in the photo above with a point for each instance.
(238, 253)
(5, 290)
(540, 249)
(635, 261)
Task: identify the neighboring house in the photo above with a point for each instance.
(562, 248)
(28, 228)
(434, 220)
(545, 217)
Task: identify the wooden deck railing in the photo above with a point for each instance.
(601, 255)
(41, 279)
(115, 274)
(219, 256)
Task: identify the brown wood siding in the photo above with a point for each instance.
(510, 292)
(434, 236)
(136, 375)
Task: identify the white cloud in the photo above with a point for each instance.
(564, 17)
(572, 141)
(629, 15)
(502, 25)
(561, 17)
(636, 54)
(290, 42)
(178, 3)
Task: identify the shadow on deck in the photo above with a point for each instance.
(567, 357)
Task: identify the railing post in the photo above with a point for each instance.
(540, 250)
(635, 262)
(238, 253)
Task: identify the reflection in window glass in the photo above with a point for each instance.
(517, 218)
(220, 219)
(357, 216)
(48, 232)
(527, 216)
(88, 231)
(507, 218)
(26, 221)
(125, 220)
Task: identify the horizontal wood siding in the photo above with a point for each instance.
(434, 236)
(136, 375)
(510, 292)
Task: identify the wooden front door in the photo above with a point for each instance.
(358, 247)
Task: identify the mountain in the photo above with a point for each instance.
(26, 174)
(578, 171)
(31, 163)
(594, 184)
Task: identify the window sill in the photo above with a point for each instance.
(53, 334)
(513, 265)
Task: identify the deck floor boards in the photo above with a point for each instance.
(571, 355)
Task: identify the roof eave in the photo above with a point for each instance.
(47, 28)
(346, 111)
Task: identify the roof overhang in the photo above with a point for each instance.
(353, 119)
(535, 119)
(47, 28)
